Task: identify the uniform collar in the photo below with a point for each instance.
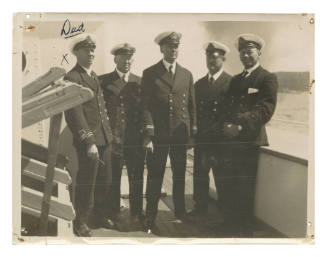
(216, 75)
(250, 70)
(88, 70)
(121, 74)
(167, 65)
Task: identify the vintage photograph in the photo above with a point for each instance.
(151, 126)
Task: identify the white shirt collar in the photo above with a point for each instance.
(250, 70)
(167, 65)
(216, 75)
(121, 74)
(88, 70)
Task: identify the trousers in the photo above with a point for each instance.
(134, 157)
(156, 170)
(93, 182)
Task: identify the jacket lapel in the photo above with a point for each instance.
(118, 82)
(220, 84)
(132, 78)
(243, 84)
(179, 75)
(250, 81)
(164, 75)
(88, 80)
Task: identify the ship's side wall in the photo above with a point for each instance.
(281, 192)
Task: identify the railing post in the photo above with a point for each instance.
(55, 124)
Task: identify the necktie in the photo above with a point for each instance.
(171, 71)
(124, 78)
(93, 75)
(245, 73)
(211, 80)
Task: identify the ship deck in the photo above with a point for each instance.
(166, 223)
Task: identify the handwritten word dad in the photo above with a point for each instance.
(70, 31)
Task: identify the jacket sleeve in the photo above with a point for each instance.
(76, 121)
(192, 107)
(263, 109)
(147, 98)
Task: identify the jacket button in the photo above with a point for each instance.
(122, 120)
(214, 109)
(183, 116)
(122, 104)
(183, 101)
(170, 100)
(171, 115)
(184, 95)
(171, 108)
(107, 118)
(216, 102)
(183, 108)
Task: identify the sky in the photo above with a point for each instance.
(289, 40)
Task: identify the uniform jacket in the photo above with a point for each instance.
(170, 112)
(209, 100)
(88, 122)
(125, 107)
(251, 104)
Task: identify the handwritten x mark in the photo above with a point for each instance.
(64, 58)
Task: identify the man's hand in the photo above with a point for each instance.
(194, 130)
(92, 152)
(149, 146)
(231, 130)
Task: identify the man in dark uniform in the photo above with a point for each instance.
(123, 97)
(170, 121)
(210, 92)
(91, 137)
(252, 98)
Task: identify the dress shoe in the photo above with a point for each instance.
(135, 223)
(106, 222)
(150, 227)
(182, 217)
(82, 230)
(196, 213)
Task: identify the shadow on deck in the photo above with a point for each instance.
(166, 222)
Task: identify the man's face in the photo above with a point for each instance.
(249, 56)
(170, 52)
(124, 62)
(214, 62)
(85, 56)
